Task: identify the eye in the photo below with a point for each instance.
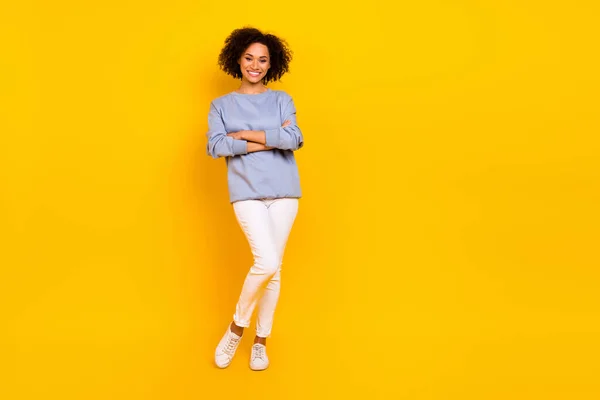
(263, 61)
(248, 59)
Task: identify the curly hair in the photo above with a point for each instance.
(240, 39)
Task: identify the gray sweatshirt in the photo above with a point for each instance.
(268, 174)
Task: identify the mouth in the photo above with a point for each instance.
(253, 74)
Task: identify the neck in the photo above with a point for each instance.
(251, 88)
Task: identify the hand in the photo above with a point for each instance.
(240, 135)
(286, 123)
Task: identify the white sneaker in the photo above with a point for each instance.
(226, 349)
(258, 357)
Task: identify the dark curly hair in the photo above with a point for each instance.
(240, 39)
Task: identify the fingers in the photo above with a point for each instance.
(286, 123)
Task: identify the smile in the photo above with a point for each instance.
(253, 73)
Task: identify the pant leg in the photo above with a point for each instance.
(282, 213)
(253, 218)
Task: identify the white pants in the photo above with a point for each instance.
(267, 225)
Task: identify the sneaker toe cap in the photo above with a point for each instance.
(222, 360)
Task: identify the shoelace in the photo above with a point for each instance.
(259, 352)
(230, 345)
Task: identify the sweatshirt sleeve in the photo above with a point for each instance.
(219, 144)
(290, 137)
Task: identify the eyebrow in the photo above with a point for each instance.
(251, 55)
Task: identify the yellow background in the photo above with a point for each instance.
(446, 245)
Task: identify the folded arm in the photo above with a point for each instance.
(287, 137)
(257, 137)
(219, 144)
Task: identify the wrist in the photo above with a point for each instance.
(250, 135)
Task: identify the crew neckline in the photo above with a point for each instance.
(251, 94)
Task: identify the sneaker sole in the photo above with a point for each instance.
(258, 369)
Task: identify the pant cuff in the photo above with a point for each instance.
(241, 324)
(262, 334)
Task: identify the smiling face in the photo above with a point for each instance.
(255, 62)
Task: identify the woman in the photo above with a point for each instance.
(255, 129)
